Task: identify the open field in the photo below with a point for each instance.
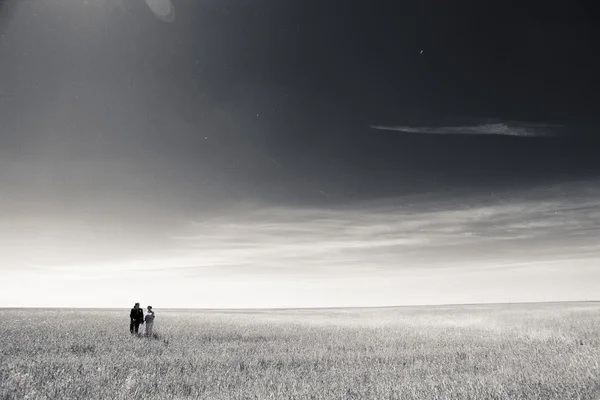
(535, 351)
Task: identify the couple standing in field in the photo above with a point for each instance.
(136, 317)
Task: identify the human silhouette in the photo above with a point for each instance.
(149, 321)
(136, 317)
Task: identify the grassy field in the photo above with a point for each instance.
(541, 351)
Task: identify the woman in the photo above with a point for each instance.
(149, 321)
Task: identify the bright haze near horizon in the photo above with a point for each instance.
(262, 153)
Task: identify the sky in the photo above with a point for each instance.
(244, 154)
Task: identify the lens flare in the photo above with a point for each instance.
(163, 9)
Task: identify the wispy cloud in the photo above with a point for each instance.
(411, 235)
(393, 251)
(464, 233)
(523, 130)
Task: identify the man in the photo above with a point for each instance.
(136, 317)
(149, 321)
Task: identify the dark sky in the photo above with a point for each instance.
(113, 119)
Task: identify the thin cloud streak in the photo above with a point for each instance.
(322, 241)
(382, 238)
(522, 130)
(460, 249)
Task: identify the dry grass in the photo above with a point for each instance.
(545, 351)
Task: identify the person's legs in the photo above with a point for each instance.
(131, 327)
(149, 329)
(136, 327)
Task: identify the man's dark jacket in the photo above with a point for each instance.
(137, 315)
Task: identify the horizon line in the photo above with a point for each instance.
(312, 308)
